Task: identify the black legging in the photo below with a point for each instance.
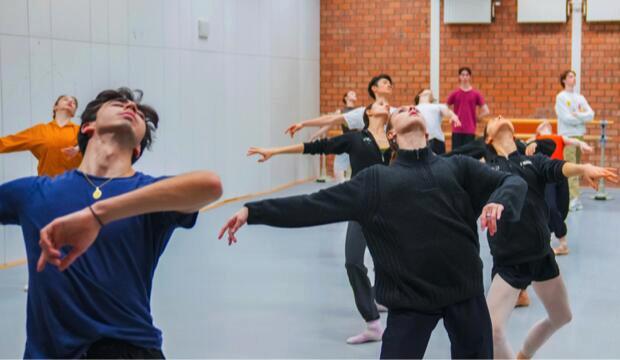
(354, 249)
(557, 198)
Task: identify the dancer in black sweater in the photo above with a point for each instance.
(365, 148)
(521, 251)
(419, 219)
(478, 149)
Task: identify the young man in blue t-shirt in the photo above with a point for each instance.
(100, 305)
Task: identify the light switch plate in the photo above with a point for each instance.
(203, 29)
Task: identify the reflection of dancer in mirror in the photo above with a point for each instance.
(367, 147)
(96, 303)
(418, 216)
(54, 144)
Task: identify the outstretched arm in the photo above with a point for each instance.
(342, 202)
(576, 142)
(22, 141)
(267, 153)
(591, 173)
(336, 145)
(556, 170)
(185, 193)
(325, 120)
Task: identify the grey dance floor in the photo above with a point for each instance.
(282, 293)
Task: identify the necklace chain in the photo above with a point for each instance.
(97, 193)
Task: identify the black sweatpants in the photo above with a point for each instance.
(558, 198)
(107, 348)
(355, 246)
(468, 324)
(459, 140)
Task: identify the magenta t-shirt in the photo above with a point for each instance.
(465, 103)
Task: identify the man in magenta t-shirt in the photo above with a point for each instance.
(463, 101)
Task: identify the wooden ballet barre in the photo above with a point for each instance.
(521, 136)
(552, 121)
(525, 136)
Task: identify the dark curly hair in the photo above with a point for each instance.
(123, 95)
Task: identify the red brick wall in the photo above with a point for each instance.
(516, 66)
(360, 39)
(600, 82)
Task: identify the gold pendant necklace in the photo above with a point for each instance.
(97, 193)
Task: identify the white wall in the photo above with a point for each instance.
(257, 73)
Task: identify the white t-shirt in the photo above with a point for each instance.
(355, 117)
(432, 115)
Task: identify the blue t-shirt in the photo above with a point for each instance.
(107, 291)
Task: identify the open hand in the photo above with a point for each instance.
(70, 151)
(233, 224)
(593, 173)
(291, 130)
(583, 146)
(489, 216)
(265, 154)
(78, 230)
(455, 121)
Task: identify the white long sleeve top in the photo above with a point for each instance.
(573, 112)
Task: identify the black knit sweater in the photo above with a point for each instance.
(360, 145)
(527, 239)
(419, 219)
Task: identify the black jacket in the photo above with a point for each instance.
(419, 220)
(360, 145)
